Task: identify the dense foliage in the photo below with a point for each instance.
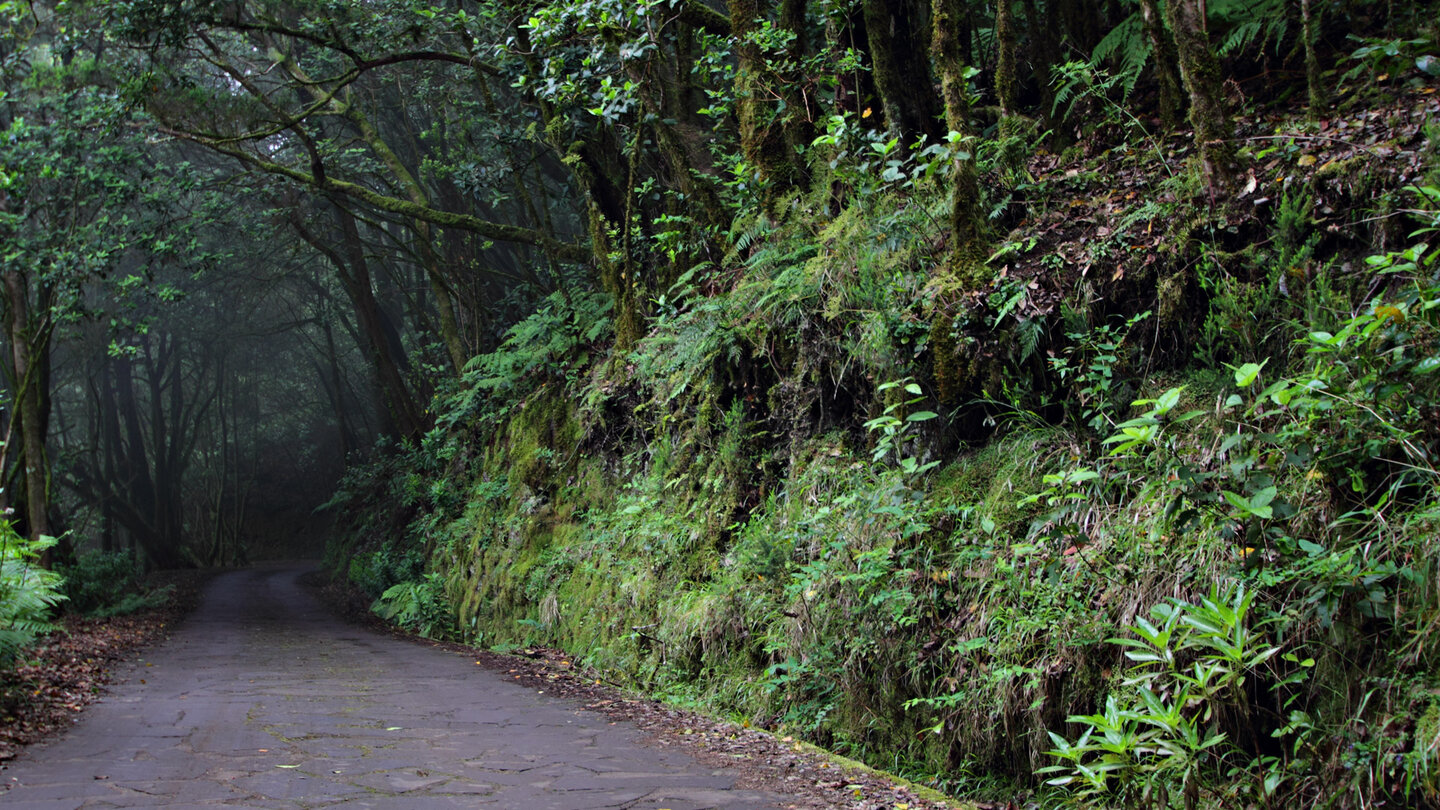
(1025, 396)
(1133, 504)
(28, 592)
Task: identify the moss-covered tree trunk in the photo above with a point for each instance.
(1007, 84)
(800, 107)
(762, 134)
(29, 357)
(1200, 70)
(898, 38)
(964, 268)
(603, 202)
(966, 219)
(1309, 34)
(424, 237)
(1162, 56)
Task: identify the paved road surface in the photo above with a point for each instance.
(263, 699)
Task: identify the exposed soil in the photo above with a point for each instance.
(1117, 209)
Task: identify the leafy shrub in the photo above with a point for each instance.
(100, 579)
(28, 593)
(552, 340)
(134, 602)
(375, 572)
(1161, 734)
(1314, 495)
(418, 605)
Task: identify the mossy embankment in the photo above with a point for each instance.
(828, 491)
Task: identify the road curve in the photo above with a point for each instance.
(263, 699)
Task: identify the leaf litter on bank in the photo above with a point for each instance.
(62, 673)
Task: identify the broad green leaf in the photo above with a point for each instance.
(1167, 401)
(1246, 374)
(1262, 497)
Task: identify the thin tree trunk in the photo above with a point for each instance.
(354, 274)
(800, 107)
(1162, 56)
(109, 449)
(1200, 70)
(966, 219)
(28, 345)
(1006, 82)
(1314, 82)
(424, 237)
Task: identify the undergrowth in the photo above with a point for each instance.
(1146, 519)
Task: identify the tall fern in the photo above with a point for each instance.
(28, 593)
(1243, 24)
(1129, 46)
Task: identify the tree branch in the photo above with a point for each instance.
(497, 231)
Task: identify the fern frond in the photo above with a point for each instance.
(1126, 38)
(1027, 338)
(1246, 23)
(1128, 44)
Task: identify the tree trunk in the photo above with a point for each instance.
(966, 220)
(424, 237)
(1162, 56)
(1006, 82)
(762, 139)
(1080, 22)
(898, 33)
(29, 348)
(800, 107)
(1314, 82)
(136, 511)
(1045, 48)
(109, 451)
(856, 89)
(1200, 70)
(354, 273)
(604, 202)
(336, 390)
